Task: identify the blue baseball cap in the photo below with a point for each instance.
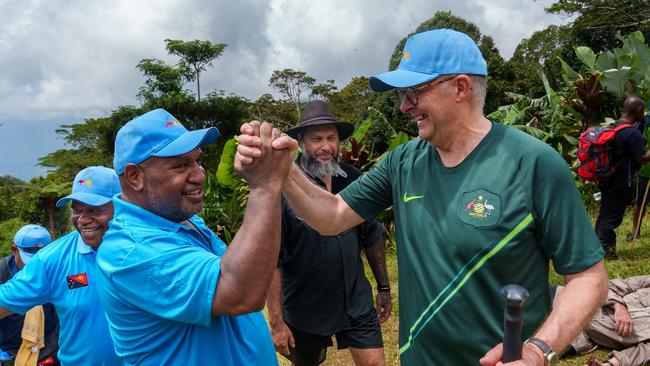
(157, 133)
(30, 239)
(94, 186)
(428, 55)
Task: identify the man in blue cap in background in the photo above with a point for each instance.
(172, 291)
(27, 242)
(478, 205)
(64, 274)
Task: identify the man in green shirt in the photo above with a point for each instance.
(477, 206)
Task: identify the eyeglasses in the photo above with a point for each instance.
(412, 93)
(31, 250)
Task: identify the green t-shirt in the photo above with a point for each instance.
(465, 232)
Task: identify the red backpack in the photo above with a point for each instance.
(595, 152)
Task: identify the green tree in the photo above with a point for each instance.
(350, 103)
(280, 113)
(541, 50)
(9, 187)
(36, 204)
(323, 90)
(597, 21)
(90, 143)
(195, 55)
(499, 73)
(291, 84)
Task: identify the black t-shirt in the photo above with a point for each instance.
(324, 287)
(629, 144)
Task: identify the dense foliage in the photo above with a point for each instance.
(558, 81)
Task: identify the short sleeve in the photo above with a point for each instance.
(28, 288)
(169, 279)
(632, 143)
(564, 230)
(372, 192)
(370, 233)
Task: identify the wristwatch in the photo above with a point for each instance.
(549, 354)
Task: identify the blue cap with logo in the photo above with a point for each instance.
(157, 133)
(30, 239)
(94, 186)
(428, 55)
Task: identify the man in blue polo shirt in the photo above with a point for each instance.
(27, 242)
(173, 293)
(63, 274)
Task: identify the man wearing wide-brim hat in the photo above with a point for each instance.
(477, 205)
(319, 289)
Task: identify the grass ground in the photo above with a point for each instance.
(634, 259)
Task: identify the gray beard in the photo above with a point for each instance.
(318, 169)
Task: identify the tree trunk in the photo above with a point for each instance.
(198, 85)
(50, 206)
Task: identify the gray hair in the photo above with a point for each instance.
(479, 90)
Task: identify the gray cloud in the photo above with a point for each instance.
(63, 61)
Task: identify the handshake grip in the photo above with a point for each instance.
(257, 162)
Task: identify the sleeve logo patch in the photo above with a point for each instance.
(479, 208)
(77, 280)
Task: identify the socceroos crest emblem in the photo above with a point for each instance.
(479, 208)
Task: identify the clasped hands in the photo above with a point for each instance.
(264, 155)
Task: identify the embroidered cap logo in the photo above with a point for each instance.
(173, 123)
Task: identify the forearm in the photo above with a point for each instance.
(583, 295)
(377, 261)
(247, 266)
(4, 312)
(274, 299)
(323, 211)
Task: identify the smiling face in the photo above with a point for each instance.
(91, 221)
(173, 187)
(321, 142)
(433, 111)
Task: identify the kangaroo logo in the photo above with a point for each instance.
(480, 208)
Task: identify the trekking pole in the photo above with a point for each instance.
(513, 320)
(637, 227)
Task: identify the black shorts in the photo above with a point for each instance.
(311, 349)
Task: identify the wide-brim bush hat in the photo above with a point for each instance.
(317, 113)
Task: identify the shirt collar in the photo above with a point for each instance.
(11, 261)
(82, 247)
(136, 214)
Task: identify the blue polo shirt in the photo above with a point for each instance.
(63, 273)
(158, 279)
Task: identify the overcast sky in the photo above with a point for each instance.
(65, 60)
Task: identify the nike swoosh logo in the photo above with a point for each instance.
(410, 198)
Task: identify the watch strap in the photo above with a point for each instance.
(549, 354)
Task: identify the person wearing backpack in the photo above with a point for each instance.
(616, 191)
(642, 185)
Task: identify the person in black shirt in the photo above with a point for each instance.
(320, 288)
(616, 191)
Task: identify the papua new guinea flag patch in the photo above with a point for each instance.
(77, 280)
